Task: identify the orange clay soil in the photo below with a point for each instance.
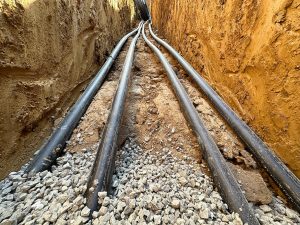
(249, 51)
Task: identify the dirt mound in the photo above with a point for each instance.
(49, 49)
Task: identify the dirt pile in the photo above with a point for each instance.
(49, 49)
(249, 51)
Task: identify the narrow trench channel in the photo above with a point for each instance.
(160, 177)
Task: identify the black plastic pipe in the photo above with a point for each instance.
(143, 9)
(286, 180)
(53, 147)
(222, 175)
(100, 177)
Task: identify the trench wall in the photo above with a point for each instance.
(249, 51)
(49, 50)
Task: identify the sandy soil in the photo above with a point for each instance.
(249, 52)
(49, 49)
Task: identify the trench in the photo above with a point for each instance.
(157, 147)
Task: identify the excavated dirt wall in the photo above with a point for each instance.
(249, 51)
(49, 50)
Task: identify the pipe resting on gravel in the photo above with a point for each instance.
(222, 175)
(286, 180)
(53, 147)
(102, 171)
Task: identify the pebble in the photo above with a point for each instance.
(147, 139)
(291, 214)
(120, 206)
(78, 221)
(204, 214)
(265, 208)
(150, 188)
(103, 210)
(85, 212)
(106, 201)
(102, 195)
(182, 181)
(157, 219)
(175, 203)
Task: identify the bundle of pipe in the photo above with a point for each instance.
(53, 148)
(222, 175)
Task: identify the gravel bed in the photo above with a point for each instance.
(148, 188)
